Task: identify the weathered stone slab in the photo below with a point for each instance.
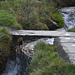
(69, 47)
(41, 33)
(67, 39)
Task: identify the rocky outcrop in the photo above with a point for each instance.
(52, 25)
(28, 48)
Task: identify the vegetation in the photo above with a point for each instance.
(5, 40)
(33, 14)
(9, 20)
(46, 61)
(71, 30)
(59, 19)
(28, 14)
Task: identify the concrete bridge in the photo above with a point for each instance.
(65, 41)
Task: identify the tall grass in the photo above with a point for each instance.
(46, 61)
(30, 14)
(9, 20)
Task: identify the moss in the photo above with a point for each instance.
(46, 61)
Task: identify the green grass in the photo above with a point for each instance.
(71, 30)
(59, 19)
(26, 14)
(31, 14)
(9, 20)
(46, 61)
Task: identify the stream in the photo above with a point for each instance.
(69, 17)
(19, 66)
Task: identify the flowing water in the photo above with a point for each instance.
(19, 66)
(69, 17)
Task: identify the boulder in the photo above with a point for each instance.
(52, 25)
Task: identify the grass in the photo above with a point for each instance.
(31, 14)
(27, 14)
(71, 30)
(9, 20)
(46, 61)
(51, 14)
(59, 19)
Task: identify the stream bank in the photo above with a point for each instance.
(22, 55)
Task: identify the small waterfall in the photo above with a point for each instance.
(12, 67)
(19, 66)
(69, 16)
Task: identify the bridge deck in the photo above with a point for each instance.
(42, 33)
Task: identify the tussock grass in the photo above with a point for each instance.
(46, 61)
